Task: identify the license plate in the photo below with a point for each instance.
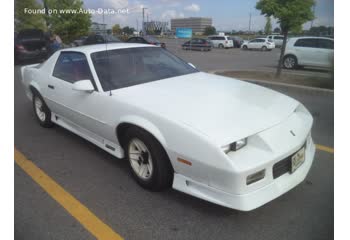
(298, 159)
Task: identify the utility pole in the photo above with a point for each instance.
(250, 20)
(137, 25)
(143, 20)
(313, 10)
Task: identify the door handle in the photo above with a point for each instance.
(51, 86)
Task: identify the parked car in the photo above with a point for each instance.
(146, 40)
(277, 39)
(30, 44)
(263, 44)
(221, 41)
(176, 126)
(237, 41)
(197, 44)
(79, 42)
(309, 52)
(100, 38)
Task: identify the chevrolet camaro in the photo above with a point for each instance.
(226, 141)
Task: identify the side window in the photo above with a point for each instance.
(270, 37)
(325, 43)
(261, 40)
(306, 42)
(253, 41)
(279, 38)
(99, 39)
(222, 38)
(72, 67)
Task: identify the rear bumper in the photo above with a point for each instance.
(251, 200)
(29, 55)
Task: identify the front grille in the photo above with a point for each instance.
(284, 165)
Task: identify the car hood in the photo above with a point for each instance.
(224, 109)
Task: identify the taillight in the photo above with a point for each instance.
(20, 47)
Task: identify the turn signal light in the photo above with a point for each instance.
(252, 178)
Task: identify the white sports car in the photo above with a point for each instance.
(223, 140)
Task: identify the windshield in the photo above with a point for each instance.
(110, 38)
(121, 68)
(151, 39)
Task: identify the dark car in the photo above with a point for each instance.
(146, 40)
(79, 42)
(30, 44)
(197, 44)
(100, 38)
(237, 42)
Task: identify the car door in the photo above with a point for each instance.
(79, 110)
(253, 43)
(307, 51)
(326, 52)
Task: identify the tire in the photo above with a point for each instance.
(264, 48)
(41, 111)
(290, 62)
(221, 45)
(245, 47)
(148, 161)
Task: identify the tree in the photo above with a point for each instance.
(128, 30)
(276, 30)
(209, 30)
(290, 14)
(268, 26)
(25, 20)
(68, 25)
(116, 29)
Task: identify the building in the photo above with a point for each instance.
(98, 27)
(198, 24)
(155, 27)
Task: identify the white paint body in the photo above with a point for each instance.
(193, 116)
(277, 39)
(221, 40)
(259, 43)
(312, 56)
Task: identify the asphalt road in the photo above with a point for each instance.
(104, 185)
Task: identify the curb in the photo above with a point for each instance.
(281, 84)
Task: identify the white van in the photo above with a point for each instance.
(277, 39)
(221, 41)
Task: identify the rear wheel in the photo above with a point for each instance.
(149, 163)
(41, 111)
(221, 45)
(264, 48)
(290, 62)
(245, 47)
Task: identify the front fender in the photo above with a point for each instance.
(145, 124)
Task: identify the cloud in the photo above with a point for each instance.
(168, 14)
(192, 8)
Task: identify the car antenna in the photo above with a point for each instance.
(109, 67)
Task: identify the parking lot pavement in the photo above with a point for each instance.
(234, 59)
(104, 185)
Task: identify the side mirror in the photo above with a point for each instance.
(192, 65)
(84, 86)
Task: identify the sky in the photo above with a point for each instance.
(227, 15)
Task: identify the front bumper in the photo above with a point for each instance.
(253, 199)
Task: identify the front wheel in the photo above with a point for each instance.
(41, 111)
(290, 62)
(149, 163)
(245, 47)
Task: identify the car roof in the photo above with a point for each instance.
(307, 37)
(88, 49)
